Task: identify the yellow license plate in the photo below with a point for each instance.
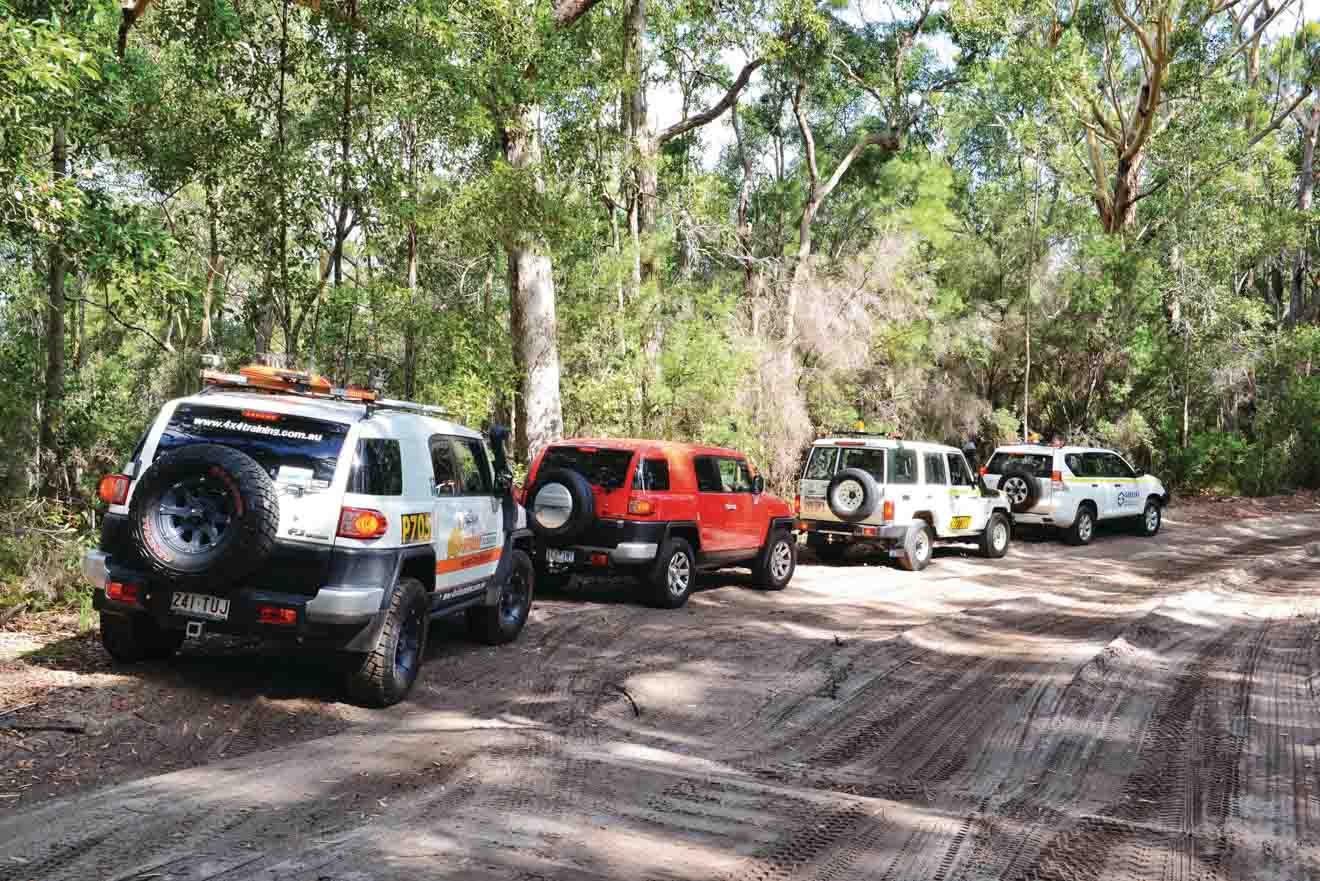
(961, 523)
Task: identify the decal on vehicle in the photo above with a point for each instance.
(461, 590)
(467, 561)
(1128, 497)
(416, 527)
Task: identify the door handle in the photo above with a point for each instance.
(729, 506)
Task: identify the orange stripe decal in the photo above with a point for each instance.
(467, 561)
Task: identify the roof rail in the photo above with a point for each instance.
(306, 385)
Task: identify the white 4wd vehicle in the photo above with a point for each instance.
(901, 496)
(1072, 488)
(275, 506)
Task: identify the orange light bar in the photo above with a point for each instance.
(277, 615)
(641, 507)
(113, 489)
(362, 523)
(121, 592)
(357, 393)
(852, 443)
(277, 378)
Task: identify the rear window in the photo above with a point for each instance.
(821, 464)
(870, 461)
(903, 466)
(601, 466)
(1038, 464)
(292, 449)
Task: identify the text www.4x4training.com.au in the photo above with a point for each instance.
(249, 428)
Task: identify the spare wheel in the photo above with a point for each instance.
(853, 495)
(205, 515)
(1021, 488)
(560, 505)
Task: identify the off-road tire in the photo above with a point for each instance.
(830, 552)
(579, 496)
(137, 637)
(1029, 493)
(917, 554)
(1083, 527)
(857, 480)
(990, 547)
(378, 680)
(772, 558)
(501, 623)
(1151, 519)
(246, 490)
(658, 590)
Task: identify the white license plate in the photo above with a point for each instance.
(813, 505)
(200, 605)
(556, 556)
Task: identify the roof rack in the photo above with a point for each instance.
(300, 383)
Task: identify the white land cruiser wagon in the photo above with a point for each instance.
(273, 505)
(1072, 488)
(901, 496)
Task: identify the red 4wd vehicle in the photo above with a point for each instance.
(662, 510)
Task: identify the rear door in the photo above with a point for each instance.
(1039, 465)
(748, 524)
(1091, 481)
(609, 470)
(816, 482)
(466, 526)
(717, 508)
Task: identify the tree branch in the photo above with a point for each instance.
(567, 12)
(108, 311)
(808, 141)
(717, 109)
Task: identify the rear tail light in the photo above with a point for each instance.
(1056, 480)
(804, 526)
(600, 559)
(887, 512)
(277, 615)
(870, 531)
(797, 505)
(983, 470)
(121, 592)
(362, 523)
(641, 507)
(113, 489)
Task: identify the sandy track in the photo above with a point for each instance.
(1136, 709)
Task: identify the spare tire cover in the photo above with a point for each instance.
(560, 505)
(853, 495)
(205, 515)
(1021, 488)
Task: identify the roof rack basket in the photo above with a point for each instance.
(275, 381)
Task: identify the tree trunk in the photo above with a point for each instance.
(213, 264)
(1305, 193)
(1119, 211)
(345, 147)
(52, 400)
(409, 131)
(540, 419)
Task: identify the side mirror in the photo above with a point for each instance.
(758, 485)
(503, 473)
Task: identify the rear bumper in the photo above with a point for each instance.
(621, 542)
(828, 531)
(337, 616)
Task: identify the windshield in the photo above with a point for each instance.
(601, 467)
(1038, 464)
(292, 449)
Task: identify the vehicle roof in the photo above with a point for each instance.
(1043, 449)
(883, 443)
(325, 408)
(634, 444)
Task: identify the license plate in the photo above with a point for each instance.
(961, 523)
(556, 556)
(200, 605)
(813, 505)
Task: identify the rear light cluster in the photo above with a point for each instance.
(887, 512)
(362, 523)
(1056, 481)
(121, 592)
(797, 505)
(277, 615)
(113, 489)
(870, 531)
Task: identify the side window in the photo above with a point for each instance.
(902, 466)
(1074, 463)
(734, 476)
(652, 475)
(821, 464)
(377, 468)
(708, 475)
(959, 473)
(442, 467)
(935, 469)
(473, 474)
(1093, 465)
(1116, 467)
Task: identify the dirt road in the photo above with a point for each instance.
(1137, 709)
